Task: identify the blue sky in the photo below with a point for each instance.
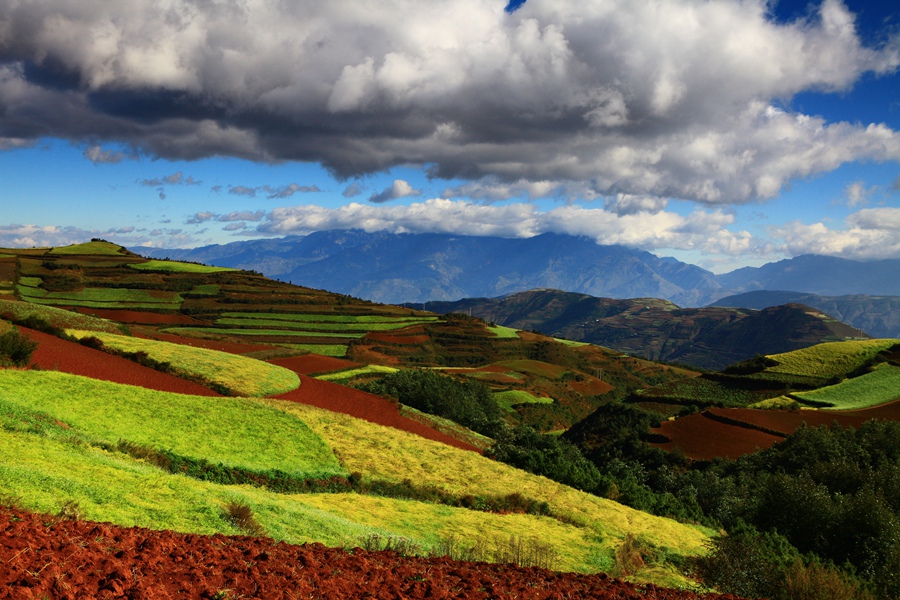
(725, 133)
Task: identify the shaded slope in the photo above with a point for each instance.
(712, 337)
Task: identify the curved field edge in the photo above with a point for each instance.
(236, 432)
(872, 389)
(829, 359)
(64, 319)
(242, 375)
(394, 455)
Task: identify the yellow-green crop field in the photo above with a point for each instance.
(177, 267)
(242, 375)
(510, 398)
(504, 332)
(58, 317)
(312, 325)
(329, 318)
(49, 460)
(102, 248)
(382, 453)
(830, 359)
(264, 332)
(351, 373)
(878, 387)
(237, 432)
(99, 297)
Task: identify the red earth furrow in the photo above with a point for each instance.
(46, 557)
(310, 364)
(362, 405)
(55, 354)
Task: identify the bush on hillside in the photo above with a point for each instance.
(15, 348)
(469, 403)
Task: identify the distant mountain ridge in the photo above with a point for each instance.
(876, 315)
(710, 337)
(396, 268)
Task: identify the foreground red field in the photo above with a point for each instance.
(44, 557)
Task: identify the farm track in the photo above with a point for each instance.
(47, 557)
(55, 354)
(362, 405)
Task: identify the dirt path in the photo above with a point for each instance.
(45, 557)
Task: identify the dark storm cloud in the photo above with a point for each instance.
(623, 97)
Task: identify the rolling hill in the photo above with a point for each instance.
(78, 446)
(658, 330)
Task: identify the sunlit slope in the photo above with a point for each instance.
(52, 459)
(242, 375)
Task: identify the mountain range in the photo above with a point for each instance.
(416, 268)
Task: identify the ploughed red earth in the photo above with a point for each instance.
(311, 364)
(57, 354)
(372, 408)
(46, 557)
(733, 432)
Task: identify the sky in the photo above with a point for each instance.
(725, 133)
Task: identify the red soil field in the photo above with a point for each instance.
(46, 557)
(311, 364)
(702, 438)
(55, 354)
(137, 316)
(372, 408)
(590, 387)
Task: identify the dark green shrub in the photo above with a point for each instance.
(16, 348)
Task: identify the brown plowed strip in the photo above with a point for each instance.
(701, 438)
(44, 557)
(362, 405)
(887, 412)
(788, 421)
(62, 355)
(310, 364)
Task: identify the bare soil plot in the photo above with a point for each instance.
(48, 557)
(703, 438)
(311, 364)
(54, 353)
(372, 408)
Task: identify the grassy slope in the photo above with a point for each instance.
(245, 376)
(60, 318)
(395, 455)
(178, 267)
(830, 359)
(44, 465)
(880, 386)
(235, 431)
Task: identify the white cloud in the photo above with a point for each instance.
(667, 99)
(871, 233)
(30, 235)
(398, 189)
(97, 155)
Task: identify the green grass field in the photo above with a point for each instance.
(508, 399)
(534, 367)
(263, 332)
(831, 359)
(504, 332)
(351, 373)
(333, 350)
(878, 387)
(703, 391)
(237, 432)
(242, 375)
(328, 318)
(99, 297)
(64, 319)
(177, 267)
(292, 325)
(101, 248)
